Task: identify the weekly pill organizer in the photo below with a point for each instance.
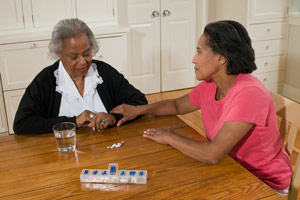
(113, 175)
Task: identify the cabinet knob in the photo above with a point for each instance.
(268, 30)
(265, 79)
(267, 47)
(100, 57)
(34, 45)
(166, 13)
(155, 13)
(266, 64)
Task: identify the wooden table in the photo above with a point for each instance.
(31, 167)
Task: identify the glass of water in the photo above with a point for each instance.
(65, 134)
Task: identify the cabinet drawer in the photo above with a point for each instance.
(269, 64)
(269, 47)
(268, 31)
(21, 62)
(271, 79)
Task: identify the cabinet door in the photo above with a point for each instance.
(11, 15)
(3, 122)
(178, 43)
(47, 13)
(95, 11)
(144, 54)
(12, 101)
(20, 63)
(264, 10)
(113, 50)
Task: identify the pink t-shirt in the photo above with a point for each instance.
(260, 150)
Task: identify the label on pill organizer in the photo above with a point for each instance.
(113, 175)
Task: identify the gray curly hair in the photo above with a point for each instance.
(69, 28)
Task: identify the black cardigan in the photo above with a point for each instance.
(39, 108)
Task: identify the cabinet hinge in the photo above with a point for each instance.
(113, 12)
(32, 19)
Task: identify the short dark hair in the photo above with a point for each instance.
(231, 40)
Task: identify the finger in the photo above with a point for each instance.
(121, 121)
(101, 128)
(100, 125)
(104, 124)
(92, 125)
(148, 135)
(150, 130)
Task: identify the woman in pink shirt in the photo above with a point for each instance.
(238, 112)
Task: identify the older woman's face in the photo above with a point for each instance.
(76, 55)
(205, 60)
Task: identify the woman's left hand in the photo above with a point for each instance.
(159, 135)
(101, 121)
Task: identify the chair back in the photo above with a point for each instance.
(288, 112)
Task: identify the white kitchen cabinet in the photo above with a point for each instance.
(47, 13)
(95, 12)
(162, 43)
(113, 50)
(3, 120)
(267, 10)
(11, 15)
(267, 26)
(28, 15)
(21, 62)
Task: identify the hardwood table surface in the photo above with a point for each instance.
(32, 168)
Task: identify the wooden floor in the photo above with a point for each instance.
(194, 119)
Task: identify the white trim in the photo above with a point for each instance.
(291, 92)
(294, 19)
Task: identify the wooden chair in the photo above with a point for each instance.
(288, 113)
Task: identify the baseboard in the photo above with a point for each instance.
(291, 92)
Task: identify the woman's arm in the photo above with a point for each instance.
(39, 107)
(181, 105)
(209, 151)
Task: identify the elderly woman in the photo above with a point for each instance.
(75, 88)
(237, 110)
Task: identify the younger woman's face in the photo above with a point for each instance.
(205, 60)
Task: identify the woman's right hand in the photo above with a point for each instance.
(84, 118)
(129, 112)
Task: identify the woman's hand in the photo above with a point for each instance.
(101, 121)
(158, 135)
(129, 112)
(84, 118)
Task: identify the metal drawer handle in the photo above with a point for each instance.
(155, 13)
(166, 13)
(34, 45)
